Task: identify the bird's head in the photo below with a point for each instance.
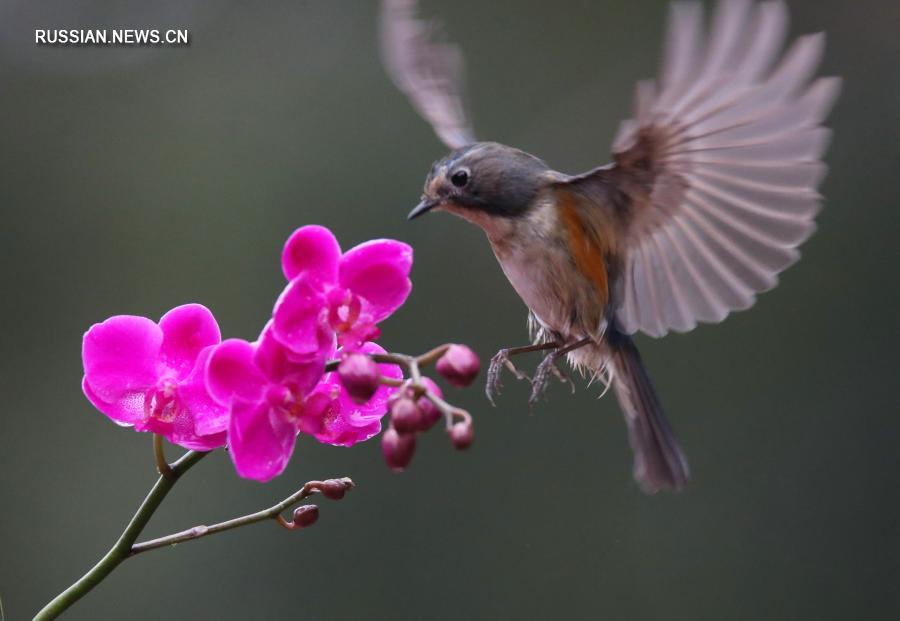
(482, 180)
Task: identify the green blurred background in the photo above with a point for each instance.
(134, 180)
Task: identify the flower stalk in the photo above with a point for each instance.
(122, 548)
(159, 454)
(126, 547)
(271, 513)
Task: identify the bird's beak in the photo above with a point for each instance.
(426, 205)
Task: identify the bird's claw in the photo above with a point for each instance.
(495, 370)
(563, 378)
(542, 374)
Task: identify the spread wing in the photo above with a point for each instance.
(719, 166)
(429, 72)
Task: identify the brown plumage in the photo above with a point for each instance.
(590, 248)
(711, 190)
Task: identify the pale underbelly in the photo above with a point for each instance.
(536, 261)
(559, 297)
(533, 283)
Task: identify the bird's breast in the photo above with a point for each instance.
(536, 256)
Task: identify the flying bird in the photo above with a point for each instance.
(711, 189)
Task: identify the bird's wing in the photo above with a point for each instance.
(718, 169)
(427, 70)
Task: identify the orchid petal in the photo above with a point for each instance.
(209, 417)
(275, 361)
(200, 442)
(378, 272)
(186, 331)
(333, 424)
(312, 251)
(346, 422)
(318, 408)
(362, 331)
(232, 373)
(120, 357)
(376, 407)
(260, 440)
(298, 321)
(126, 411)
(182, 428)
(152, 424)
(344, 433)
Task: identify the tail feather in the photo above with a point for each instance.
(659, 463)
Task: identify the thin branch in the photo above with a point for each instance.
(122, 548)
(447, 410)
(272, 513)
(402, 360)
(412, 364)
(428, 357)
(390, 381)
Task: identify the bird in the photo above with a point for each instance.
(711, 189)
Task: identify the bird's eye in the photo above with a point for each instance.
(460, 178)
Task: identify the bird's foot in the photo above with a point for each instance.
(563, 378)
(542, 374)
(495, 370)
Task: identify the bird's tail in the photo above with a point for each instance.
(659, 462)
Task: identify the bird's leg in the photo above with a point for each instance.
(501, 359)
(548, 367)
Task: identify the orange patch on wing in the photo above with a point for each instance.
(588, 251)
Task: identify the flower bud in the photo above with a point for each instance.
(305, 515)
(462, 434)
(360, 377)
(405, 415)
(334, 489)
(397, 449)
(430, 412)
(459, 365)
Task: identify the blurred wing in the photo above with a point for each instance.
(719, 165)
(427, 71)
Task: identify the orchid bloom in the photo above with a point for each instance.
(150, 376)
(345, 421)
(272, 397)
(334, 293)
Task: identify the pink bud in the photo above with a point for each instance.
(397, 449)
(430, 412)
(461, 435)
(359, 375)
(335, 489)
(405, 415)
(459, 365)
(306, 515)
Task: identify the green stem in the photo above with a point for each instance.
(122, 548)
(162, 466)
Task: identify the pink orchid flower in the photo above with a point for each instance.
(330, 292)
(150, 376)
(346, 422)
(273, 397)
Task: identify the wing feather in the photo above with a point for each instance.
(701, 298)
(715, 179)
(427, 70)
(674, 309)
